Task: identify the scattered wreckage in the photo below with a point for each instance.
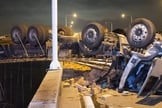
(133, 64)
(140, 61)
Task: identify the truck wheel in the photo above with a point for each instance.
(38, 33)
(141, 33)
(93, 35)
(66, 31)
(19, 32)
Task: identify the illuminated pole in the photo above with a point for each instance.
(71, 24)
(66, 18)
(111, 25)
(55, 63)
(131, 18)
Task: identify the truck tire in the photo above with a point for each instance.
(38, 33)
(141, 33)
(93, 35)
(66, 31)
(19, 32)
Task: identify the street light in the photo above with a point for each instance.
(67, 16)
(123, 16)
(71, 25)
(74, 15)
(72, 22)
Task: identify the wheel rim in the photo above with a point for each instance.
(91, 35)
(32, 35)
(139, 32)
(16, 35)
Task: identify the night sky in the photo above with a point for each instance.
(14, 12)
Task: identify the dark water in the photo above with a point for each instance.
(19, 82)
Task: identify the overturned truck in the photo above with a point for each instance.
(34, 41)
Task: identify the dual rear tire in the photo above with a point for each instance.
(32, 34)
